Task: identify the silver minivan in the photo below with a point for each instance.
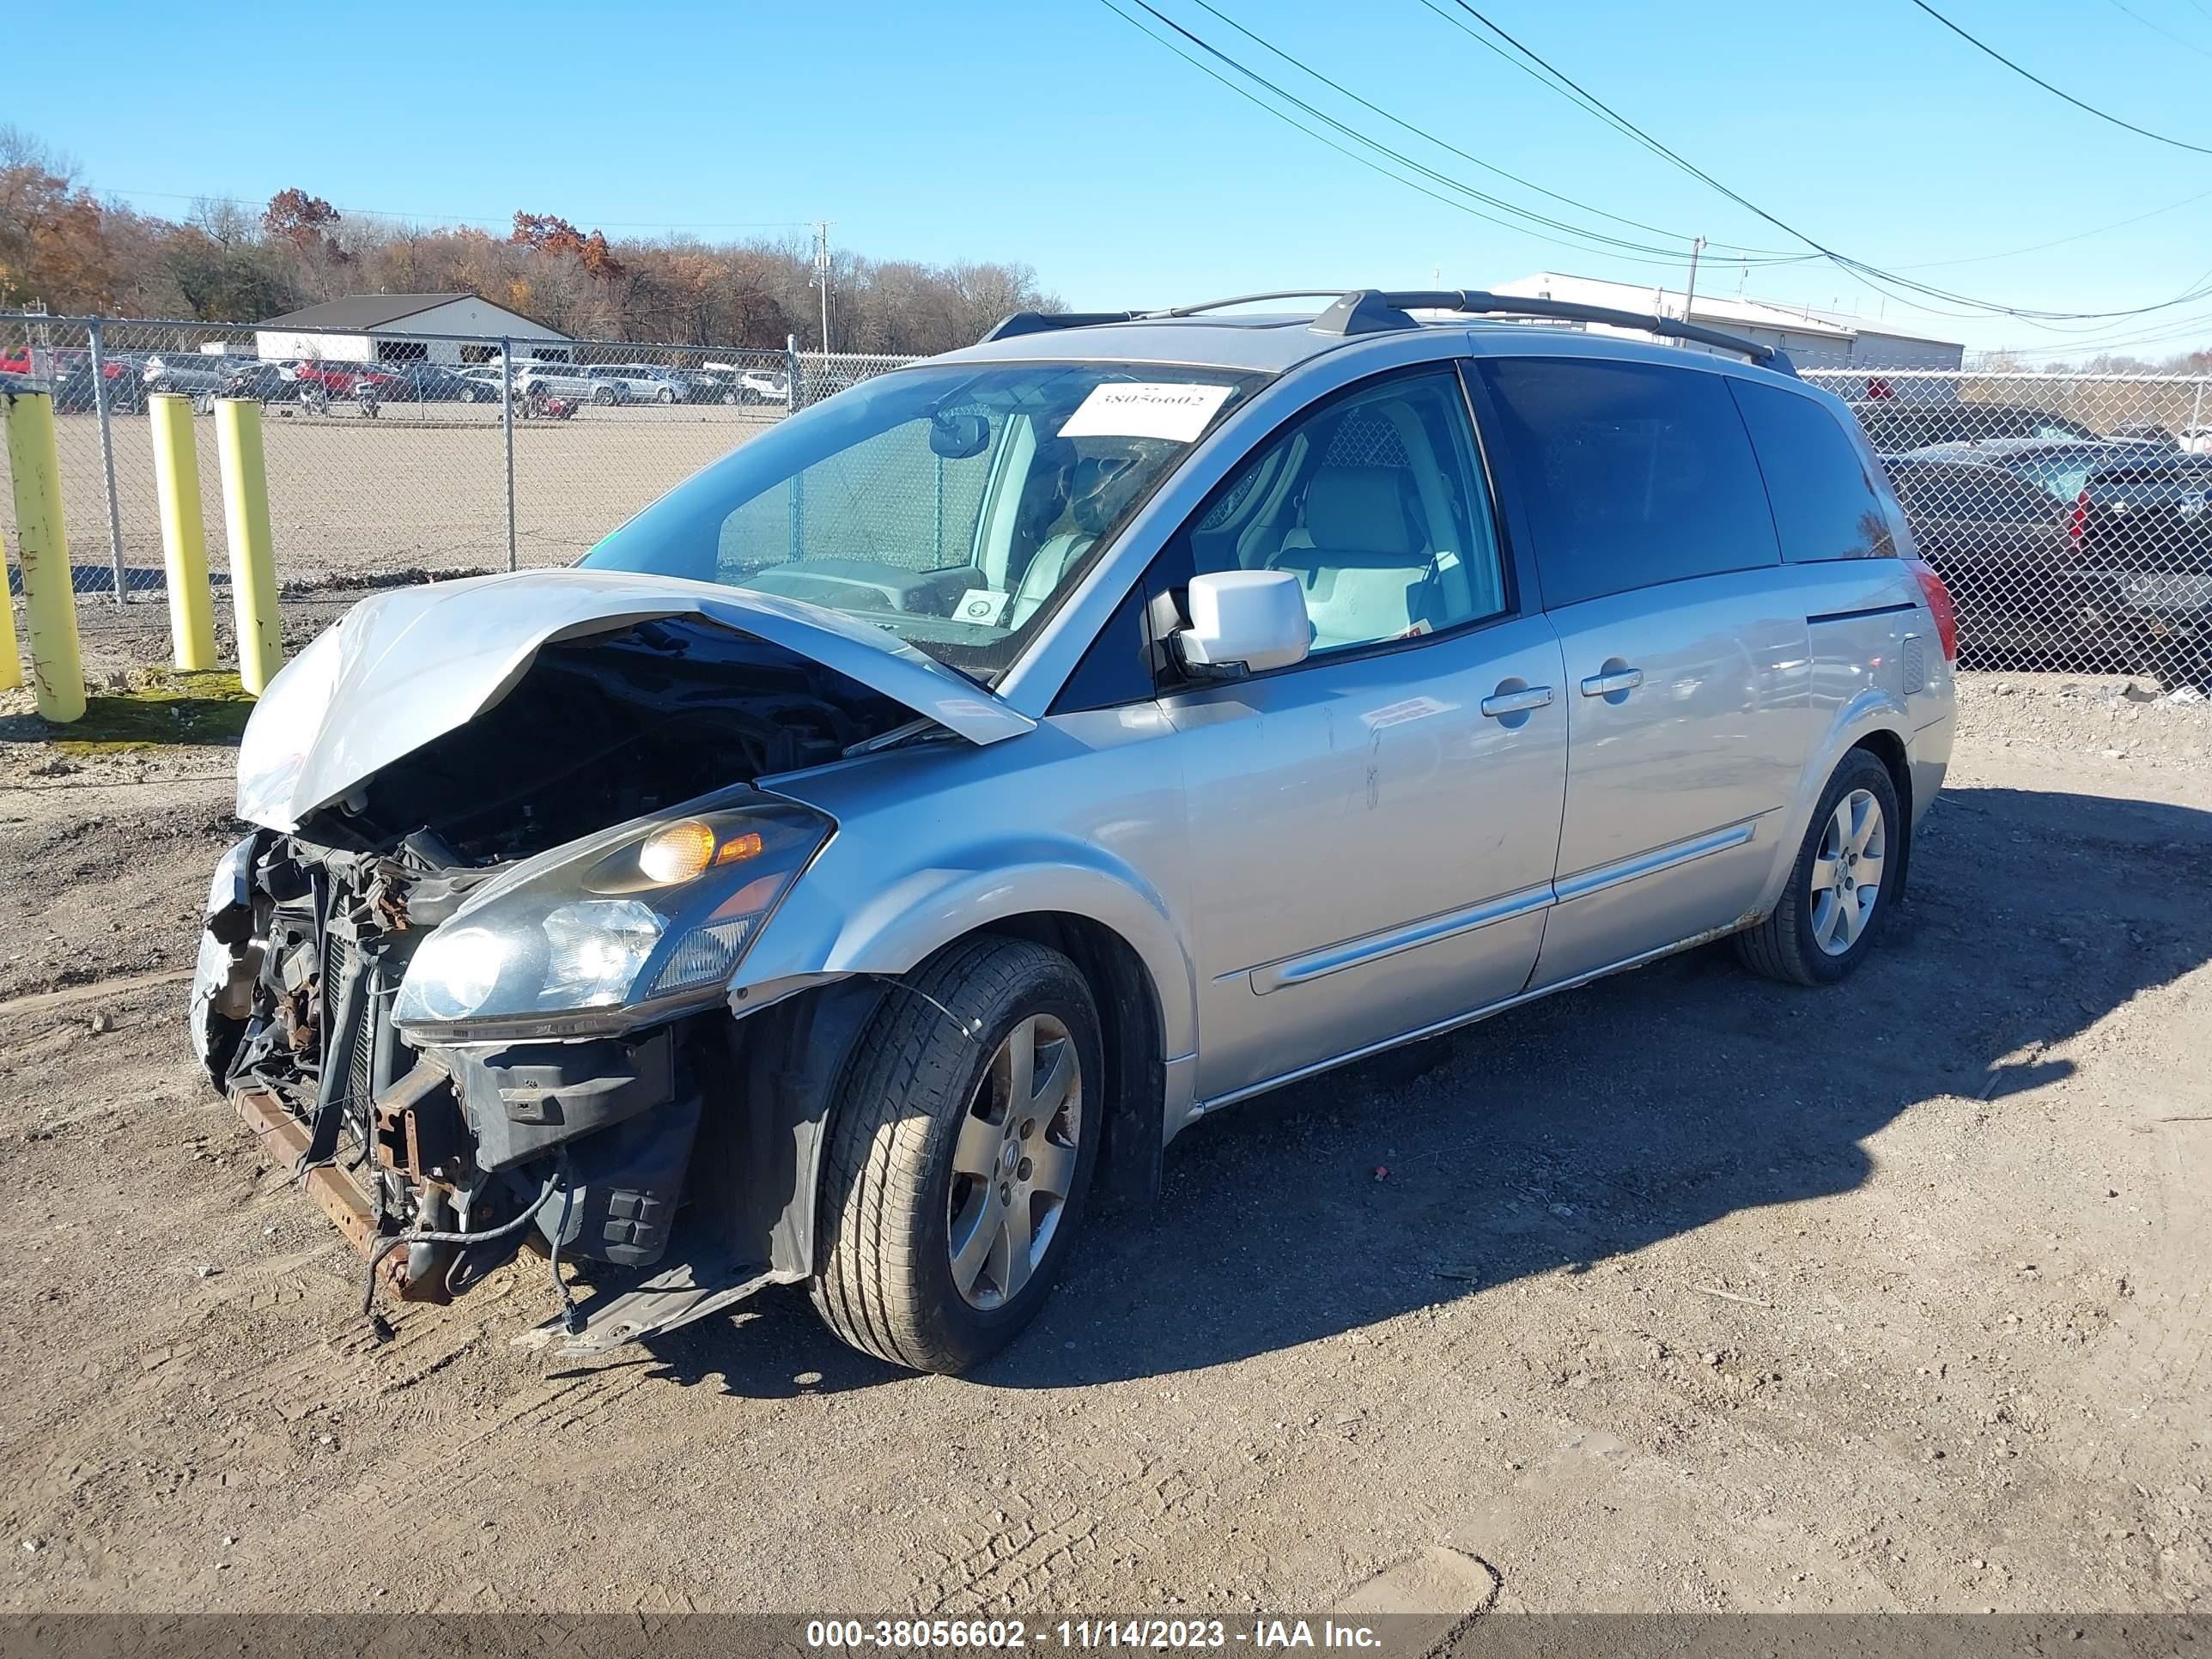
(890, 839)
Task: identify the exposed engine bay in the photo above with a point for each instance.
(443, 1158)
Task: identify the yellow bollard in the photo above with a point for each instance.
(42, 550)
(184, 541)
(253, 558)
(11, 660)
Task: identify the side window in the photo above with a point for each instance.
(1825, 505)
(1376, 503)
(1634, 474)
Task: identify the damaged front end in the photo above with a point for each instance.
(478, 993)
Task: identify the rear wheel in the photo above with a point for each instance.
(667, 394)
(1841, 887)
(959, 1151)
(604, 397)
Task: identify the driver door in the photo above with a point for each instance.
(1373, 831)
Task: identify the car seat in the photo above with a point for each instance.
(1367, 570)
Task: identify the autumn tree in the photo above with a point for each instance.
(52, 247)
(303, 221)
(549, 232)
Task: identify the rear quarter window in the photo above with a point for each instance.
(1825, 505)
(1630, 474)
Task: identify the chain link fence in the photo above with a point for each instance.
(394, 456)
(2071, 514)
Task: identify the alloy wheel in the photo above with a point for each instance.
(1847, 872)
(1014, 1162)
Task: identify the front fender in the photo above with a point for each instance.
(859, 918)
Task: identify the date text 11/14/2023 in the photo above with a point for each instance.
(1155, 1635)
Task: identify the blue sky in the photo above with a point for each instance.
(1053, 132)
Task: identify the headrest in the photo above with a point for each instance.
(1100, 492)
(1357, 507)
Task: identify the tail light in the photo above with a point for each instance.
(1940, 606)
(2077, 526)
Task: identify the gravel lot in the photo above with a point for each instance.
(1684, 1291)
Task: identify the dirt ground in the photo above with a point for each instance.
(1683, 1292)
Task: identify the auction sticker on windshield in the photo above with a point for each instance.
(1144, 408)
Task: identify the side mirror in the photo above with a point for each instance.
(1248, 620)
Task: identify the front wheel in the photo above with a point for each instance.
(1843, 884)
(666, 394)
(958, 1153)
(604, 397)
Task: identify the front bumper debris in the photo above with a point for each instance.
(332, 1187)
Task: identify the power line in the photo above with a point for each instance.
(2159, 28)
(2061, 241)
(1421, 132)
(1608, 243)
(1875, 276)
(2177, 143)
(1364, 161)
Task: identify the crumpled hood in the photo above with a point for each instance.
(404, 667)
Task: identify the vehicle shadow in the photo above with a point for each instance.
(1590, 1125)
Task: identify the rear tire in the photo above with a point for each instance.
(604, 397)
(1843, 885)
(939, 1235)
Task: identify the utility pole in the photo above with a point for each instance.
(821, 274)
(1690, 298)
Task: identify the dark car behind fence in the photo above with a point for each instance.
(2071, 514)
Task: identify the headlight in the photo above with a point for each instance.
(648, 918)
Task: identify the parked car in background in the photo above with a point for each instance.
(1894, 426)
(2196, 440)
(69, 378)
(840, 897)
(708, 386)
(269, 383)
(764, 386)
(2148, 432)
(201, 374)
(750, 385)
(634, 383)
(2075, 550)
(435, 383)
(560, 381)
(345, 379)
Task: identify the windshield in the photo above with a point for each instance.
(951, 505)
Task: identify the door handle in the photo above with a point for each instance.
(1619, 682)
(1501, 703)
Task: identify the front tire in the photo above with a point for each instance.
(1843, 885)
(959, 1150)
(604, 397)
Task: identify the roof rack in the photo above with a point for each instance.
(1367, 310)
(1371, 310)
(1039, 322)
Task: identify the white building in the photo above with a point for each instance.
(1814, 338)
(366, 328)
